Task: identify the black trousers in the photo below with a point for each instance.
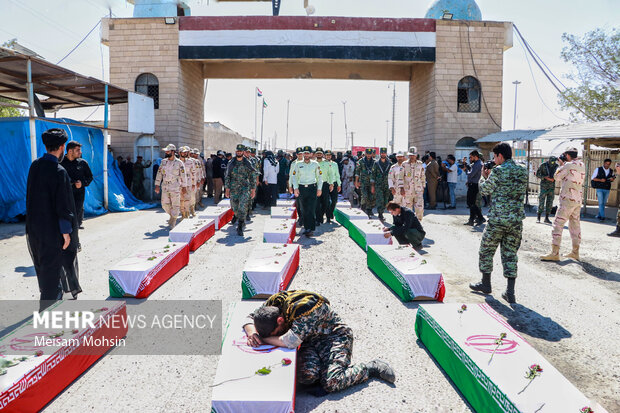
(48, 264)
(333, 199)
(307, 196)
(322, 203)
(271, 193)
(472, 194)
(78, 197)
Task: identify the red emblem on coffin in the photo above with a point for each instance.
(486, 344)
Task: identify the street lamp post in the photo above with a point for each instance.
(514, 122)
(331, 131)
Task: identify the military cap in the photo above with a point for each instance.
(382, 150)
(195, 150)
(571, 149)
(241, 147)
(348, 152)
(318, 149)
(54, 137)
(328, 152)
(170, 147)
(307, 149)
(184, 149)
(413, 150)
(220, 152)
(400, 153)
(252, 150)
(228, 154)
(280, 152)
(369, 151)
(299, 150)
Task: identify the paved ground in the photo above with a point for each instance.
(568, 311)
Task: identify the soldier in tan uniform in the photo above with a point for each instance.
(396, 180)
(201, 174)
(415, 181)
(188, 199)
(172, 180)
(570, 174)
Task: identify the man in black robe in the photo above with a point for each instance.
(51, 222)
(80, 176)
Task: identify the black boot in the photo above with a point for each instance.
(379, 368)
(381, 218)
(240, 228)
(233, 220)
(470, 223)
(483, 286)
(509, 294)
(538, 217)
(547, 221)
(616, 233)
(369, 213)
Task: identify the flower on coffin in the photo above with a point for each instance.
(75, 331)
(151, 258)
(498, 342)
(286, 362)
(38, 353)
(276, 262)
(263, 371)
(56, 335)
(462, 309)
(532, 372)
(586, 409)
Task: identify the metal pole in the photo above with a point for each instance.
(31, 122)
(105, 150)
(288, 106)
(387, 136)
(514, 123)
(262, 122)
(352, 142)
(527, 193)
(586, 153)
(346, 133)
(152, 191)
(255, 113)
(331, 131)
(393, 114)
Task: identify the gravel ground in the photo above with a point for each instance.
(567, 311)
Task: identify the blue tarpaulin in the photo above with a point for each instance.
(15, 161)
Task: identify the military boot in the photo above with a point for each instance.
(381, 218)
(233, 220)
(172, 222)
(547, 221)
(616, 233)
(554, 256)
(509, 294)
(574, 254)
(379, 368)
(192, 211)
(484, 286)
(240, 228)
(538, 217)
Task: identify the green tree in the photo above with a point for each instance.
(5, 111)
(596, 58)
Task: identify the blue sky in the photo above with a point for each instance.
(53, 27)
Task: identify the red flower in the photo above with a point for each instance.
(286, 362)
(104, 309)
(586, 409)
(38, 353)
(75, 331)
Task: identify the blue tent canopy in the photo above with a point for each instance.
(15, 163)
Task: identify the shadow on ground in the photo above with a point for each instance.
(28, 271)
(529, 322)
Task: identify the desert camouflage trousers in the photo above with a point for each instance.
(415, 202)
(568, 213)
(508, 237)
(171, 201)
(327, 359)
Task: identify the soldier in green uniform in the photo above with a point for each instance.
(364, 181)
(307, 183)
(302, 318)
(332, 177)
(240, 175)
(507, 184)
(322, 202)
(299, 152)
(380, 187)
(249, 154)
(545, 173)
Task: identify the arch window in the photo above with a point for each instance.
(468, 96)
(148, 85)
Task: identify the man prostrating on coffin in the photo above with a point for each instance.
(294, 318)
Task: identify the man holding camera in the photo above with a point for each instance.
(571, 174)
(601, 181)
(507, 184)
(473, 171)
(547, 187)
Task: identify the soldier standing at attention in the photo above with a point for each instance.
(299, 152)
(240, 179)
(301, 318)
(322, 202)
(307, 183)
(507, 184)
(200, 167)
(545, 173)
(415, 182)
(380, 186)
(571, 174)
(172, 179)
(396, 180)
(187, 198)
(332, 176)
(364, 181)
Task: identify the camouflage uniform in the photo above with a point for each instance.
(571, 176)
(254, 161)
(188, 198)
(415, 181)
(171, 177)
(547, 189)
(507, 185)
(240, 179)
(202, 175)
(380, 172)
(363, 171)
(396, 181)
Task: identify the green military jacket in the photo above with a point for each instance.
(507, 185)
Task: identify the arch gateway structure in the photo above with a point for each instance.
(454, 67)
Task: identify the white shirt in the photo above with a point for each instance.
(270, 172)
(596, 171)
(453, 175)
